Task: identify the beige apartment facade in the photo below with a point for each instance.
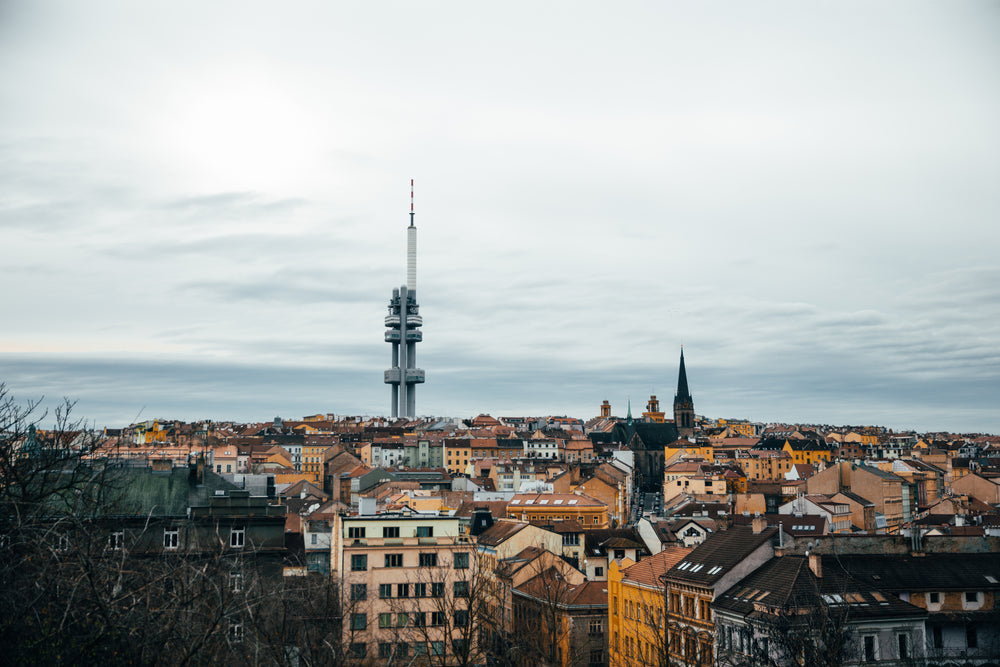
(409, 588)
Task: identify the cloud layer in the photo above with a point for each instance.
(205, 218)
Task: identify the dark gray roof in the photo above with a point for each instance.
(788, 583)
(716, 556)
(930, 572)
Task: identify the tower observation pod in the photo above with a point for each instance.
(402, 331)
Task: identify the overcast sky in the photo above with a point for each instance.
(203, 207)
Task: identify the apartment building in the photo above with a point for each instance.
(409, 580)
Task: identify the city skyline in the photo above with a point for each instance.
(202, 208)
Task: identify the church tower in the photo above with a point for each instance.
(683, 404)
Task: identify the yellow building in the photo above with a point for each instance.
(810, 452)
(591, 513)
(457, 457)
(636, 608)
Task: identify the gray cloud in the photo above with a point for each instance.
(818, 230)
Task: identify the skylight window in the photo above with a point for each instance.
(683, 566)
(571, 502)
(515, 501)
(529, 501)
(715, 570)
(990, 578)
(543, 501)
(557, 501)
(697, 568)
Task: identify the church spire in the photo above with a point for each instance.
(683, 403)
(682, 382)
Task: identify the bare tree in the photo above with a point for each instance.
(85, 580)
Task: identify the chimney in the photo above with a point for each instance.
(758, 524)
(816, 565)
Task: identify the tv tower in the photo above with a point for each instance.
(403, 331)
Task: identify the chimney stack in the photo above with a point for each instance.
(758, 524)
(816, 565)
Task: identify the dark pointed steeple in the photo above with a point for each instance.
(682, 382)
(683, 403)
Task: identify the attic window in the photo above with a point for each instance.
(697, 568)
(558, 501)
(529, 501)
(990, 578)
(683, 566)
(543, 501)
(515, 501)
(571, 502)
(715, 570)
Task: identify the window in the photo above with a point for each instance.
(356, 532)
(971, 596)
(596, 657)
(461, 561)
(428, 560)
(170, 538)
(971, 638)
(596, 626)
(460, 646)
(614, 608)
(235, 582)
(402, 649)
(425, 531)
(598, 571)
(235, 632)
(571, 540)
(935, 598)
(437, 618)
(461, 618)
(402, 590)
(938, 639)
(903, 643)
(385, 590)
(116, 541)
(437, 589)
(420, 649)
(359, 649)
(419, 619)
(359, 591)
(394, 560)
(619, 553)
(390, 531)
(461, 589)
(359, 562)
(419, 590)
(313, 537)
(385, 621)
(869, 648)
(402, 620)
(384, 649)
(237, 537)
(359, 621)
(437, 648)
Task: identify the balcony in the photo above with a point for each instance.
(392, 321)
(411, 320)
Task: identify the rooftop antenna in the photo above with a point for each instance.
(411, 249)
